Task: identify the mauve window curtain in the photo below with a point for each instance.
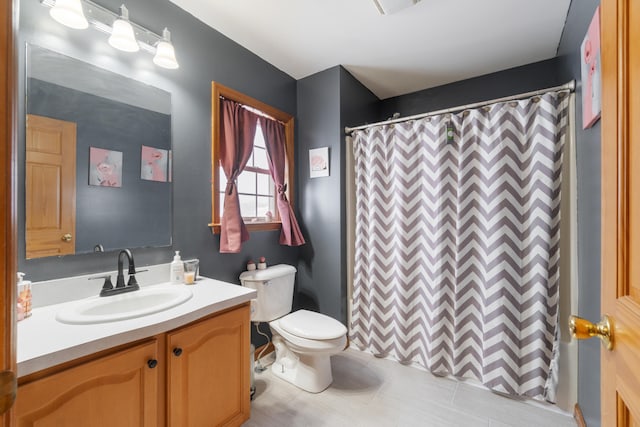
(237, 134)
(274, 139)
(458, 243)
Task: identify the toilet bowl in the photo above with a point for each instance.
(304, 343)
(304, 340)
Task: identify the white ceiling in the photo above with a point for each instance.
(432, 43)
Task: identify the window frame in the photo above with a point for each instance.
(218, 91)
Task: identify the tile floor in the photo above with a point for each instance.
(373, 392)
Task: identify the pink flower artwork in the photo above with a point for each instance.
(590, 73)
(154, 164)
(105, 167)
(319, 162)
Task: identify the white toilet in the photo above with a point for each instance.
(304, 340)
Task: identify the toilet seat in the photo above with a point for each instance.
(311, 325)
(307, 346)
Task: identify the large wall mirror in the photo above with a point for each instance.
(98, 159)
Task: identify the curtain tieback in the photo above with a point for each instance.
(282, 191)
(231, 182)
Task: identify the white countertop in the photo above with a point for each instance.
(43, 341)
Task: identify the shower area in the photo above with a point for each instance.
(462, 247)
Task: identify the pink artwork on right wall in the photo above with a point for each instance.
(154, 164)
(591, 72)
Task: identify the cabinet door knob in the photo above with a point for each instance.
(152, 363)
(177, 351)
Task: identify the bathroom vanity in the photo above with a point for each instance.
(186, 365)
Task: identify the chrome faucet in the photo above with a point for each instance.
(132, 284)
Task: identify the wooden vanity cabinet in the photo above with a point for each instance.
(196, 375)
(120, 389)
(208, 376)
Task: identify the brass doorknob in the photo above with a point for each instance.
(583, 329)
(66, 238)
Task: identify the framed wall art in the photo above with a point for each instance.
(319, 162)
(105, 167)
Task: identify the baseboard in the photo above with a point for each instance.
(577, 415)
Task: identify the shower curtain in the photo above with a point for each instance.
(457, 243)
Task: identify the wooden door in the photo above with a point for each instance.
(208, 380)
(620, 374)
(50, 189)
(116, 390)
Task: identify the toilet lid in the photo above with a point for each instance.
(312, 325)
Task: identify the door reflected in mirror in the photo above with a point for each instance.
(98, 159)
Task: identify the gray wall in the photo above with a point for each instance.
(588, 174)
(204, 56)
(538, 75)
(327, 101)
(320, 275)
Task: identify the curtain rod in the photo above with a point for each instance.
(254, 110)
(570, 86)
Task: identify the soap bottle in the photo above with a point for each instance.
(177, 269)
(24, 297)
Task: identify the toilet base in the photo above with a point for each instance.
(311, 373)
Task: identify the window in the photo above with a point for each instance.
(256, 189)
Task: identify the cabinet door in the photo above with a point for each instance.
(116, 390)
(208, 372)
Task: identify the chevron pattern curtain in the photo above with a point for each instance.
(457, 243)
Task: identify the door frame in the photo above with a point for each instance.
(613, 200)
(8, 180)
(616, 198)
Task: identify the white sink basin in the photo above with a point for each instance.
(147, 300)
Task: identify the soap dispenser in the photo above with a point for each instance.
(24, 297)
(177, 269)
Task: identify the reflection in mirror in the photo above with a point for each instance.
(98, 159)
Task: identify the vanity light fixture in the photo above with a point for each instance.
(137, 37)
(122, 36)
(69, 13)
(165, 54)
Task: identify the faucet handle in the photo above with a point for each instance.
(132, 281)
(107, 285)
(107, 280)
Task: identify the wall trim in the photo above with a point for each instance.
(577, 415)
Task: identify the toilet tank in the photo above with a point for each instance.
(275, 291)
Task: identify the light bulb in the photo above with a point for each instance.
(165, 53)
(122, 35)
(69, 13)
